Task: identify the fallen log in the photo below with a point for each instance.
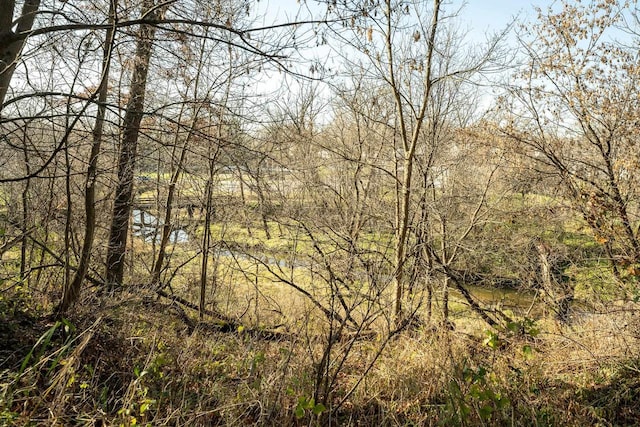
(223, 324)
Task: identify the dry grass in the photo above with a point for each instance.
(134, 361)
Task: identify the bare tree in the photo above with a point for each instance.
(128, 147)
(72, 291)
(408, 48)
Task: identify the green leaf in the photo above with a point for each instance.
(476, 392)
(502, 402)
(43, 343)
(513, 326)
(465, 410)
(319, 409)
(482, 372)
(492, 341)
(259, 357)
(454, 388)
(299, 412)
(310, 403)
(69, 327)
(486, 411)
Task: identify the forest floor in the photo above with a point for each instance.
(139, 359)
(142, 357)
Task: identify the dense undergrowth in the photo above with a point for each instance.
(132, 360)
(139, 357)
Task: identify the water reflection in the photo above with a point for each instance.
(149, 228)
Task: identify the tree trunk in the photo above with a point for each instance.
(409, 141)
(554, 284)
(128, 148)
(24, 225)
(206, 240)
(447, 260)
(243, 198)
(10, 44)
(72, 292)
(167, 224)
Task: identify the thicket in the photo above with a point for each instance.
(365, 245)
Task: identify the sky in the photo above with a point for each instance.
(479, 15)
(493, 15)
(478, 18)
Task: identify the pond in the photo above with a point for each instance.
(149, 227)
